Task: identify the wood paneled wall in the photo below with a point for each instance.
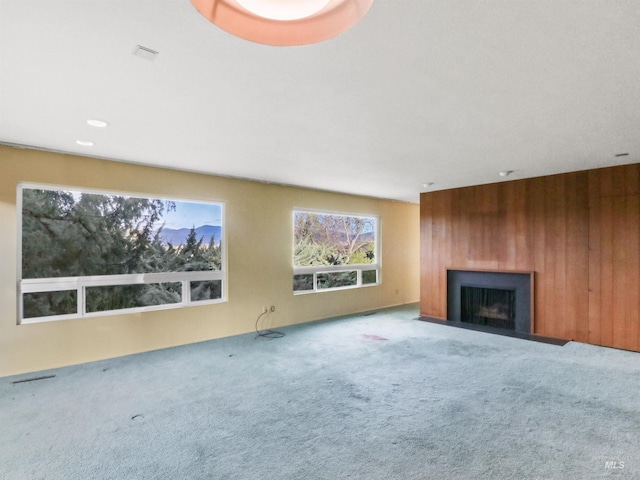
(579, 232)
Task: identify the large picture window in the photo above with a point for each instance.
(334, 251)
(87, 253)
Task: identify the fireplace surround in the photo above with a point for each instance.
(500, 299)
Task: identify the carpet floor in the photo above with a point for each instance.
(377, 396)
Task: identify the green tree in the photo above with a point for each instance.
(68, 234)
(95, 234)
(325, 239)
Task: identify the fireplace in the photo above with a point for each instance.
(493, 299)
(494, 307)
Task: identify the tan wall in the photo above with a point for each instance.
(579, 232)
(259, 238)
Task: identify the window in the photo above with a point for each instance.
(88, 253)
(334, 251)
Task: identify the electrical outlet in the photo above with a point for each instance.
(273, 308)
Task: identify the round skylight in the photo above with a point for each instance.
(284, 22)
(284, 9)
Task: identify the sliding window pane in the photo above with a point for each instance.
(369, 277)
(303, 283)
(337, 279)
(206, 290)
(118, 297)
(47, 304)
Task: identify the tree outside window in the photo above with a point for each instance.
(334, 251)
(115, 251)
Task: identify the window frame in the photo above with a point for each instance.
(79, 284)
(358, 268)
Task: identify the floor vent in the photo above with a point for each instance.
(33, 379)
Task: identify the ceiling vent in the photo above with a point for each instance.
(144, 52)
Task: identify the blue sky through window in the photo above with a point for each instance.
(190, 214)
(185, 215)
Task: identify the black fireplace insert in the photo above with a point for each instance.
(494, 299)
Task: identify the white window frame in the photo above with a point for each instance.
(358, 268)
(80, 284)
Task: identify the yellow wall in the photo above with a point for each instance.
(259, 239)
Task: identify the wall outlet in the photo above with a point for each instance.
(273, 308)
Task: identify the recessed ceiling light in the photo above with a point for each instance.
(84, 143)
(505, 173)
(427, 185)
(97, 123)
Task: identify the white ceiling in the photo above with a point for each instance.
(443, 91)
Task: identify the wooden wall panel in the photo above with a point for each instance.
(541, 287)
(577, 259)
(632, 300)
(555, 251)
(595, 252)
(619, 291)
(606, 268)
(613, 268)
(426, 256)
(579, 233)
